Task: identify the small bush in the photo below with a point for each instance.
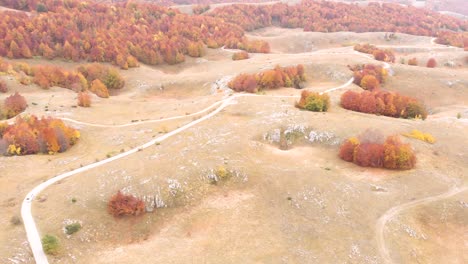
(314, 101)
(369, 82)
(200, 9)
(3, 86)
(426, 137)
(84, 99)
(123, 205)
(72, 228)
(13, 105)
(50, 244)
(431, 63)
(15, 220)
(99, 89)
(241, 55)
(413, 62)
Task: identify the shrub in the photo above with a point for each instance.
(314, 101)
(13, 105)
(195, 49)
(41, 8)
(241, 55)
(369, 82)
(99, 89)
(3, 86)
(367, 153)
(431, 63)
(72, 228)
(84, 99)
(50, 244)
(413, 62)
(15, 220)
(123, 205)
(426, 137)
(347, 149)
(398, 155)
(199, 9)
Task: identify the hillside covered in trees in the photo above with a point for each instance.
(333, 17)
(83, 30)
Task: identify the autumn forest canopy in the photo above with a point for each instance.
(126, 31)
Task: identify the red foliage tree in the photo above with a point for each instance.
(124, 205)
(347, 149)
(13, 105)
(369, 82)
(99, 89)
(3, 86)
(431, 63)
(84, 99)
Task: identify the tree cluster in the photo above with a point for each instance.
(392, 154)
(278, 77)
(95, 77)
(31, 135)
(125, 204)
(369, 76)
(12, 106)
(383, 103)
(313, 101)
(457, 39)
(121, 33)
(379, 54)
(327, 16)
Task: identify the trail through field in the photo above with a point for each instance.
(392, 212)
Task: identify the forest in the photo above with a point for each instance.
(120, 33)
(334, 16)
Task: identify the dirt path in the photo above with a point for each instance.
(392, 212)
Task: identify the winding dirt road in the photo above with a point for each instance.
(392, 212)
